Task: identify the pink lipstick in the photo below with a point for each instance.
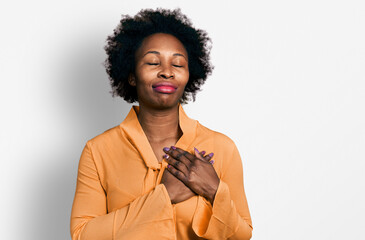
(164, 88)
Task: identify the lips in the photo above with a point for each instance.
(164, 87)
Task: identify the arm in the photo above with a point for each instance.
(229, 218)
(90, 219)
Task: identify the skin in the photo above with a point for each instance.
(162, 58)
(195, 171)
(177, 190)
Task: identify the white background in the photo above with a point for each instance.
(288, 88)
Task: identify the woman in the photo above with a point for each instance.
(146, 178)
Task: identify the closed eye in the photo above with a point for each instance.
(179, 66)
(153, 64)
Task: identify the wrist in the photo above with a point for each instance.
(211, 199)
(212, 194)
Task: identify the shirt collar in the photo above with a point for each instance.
(136, 136)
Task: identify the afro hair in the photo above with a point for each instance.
(128, 36)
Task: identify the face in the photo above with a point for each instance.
(161, 72)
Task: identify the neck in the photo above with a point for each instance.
(160, 125)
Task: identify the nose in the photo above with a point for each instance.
(166, 73)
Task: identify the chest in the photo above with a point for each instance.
(157, 148)
(136, 180)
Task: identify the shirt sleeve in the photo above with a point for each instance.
(229, 217)
(90, 219)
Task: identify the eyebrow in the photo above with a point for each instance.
(158, 53)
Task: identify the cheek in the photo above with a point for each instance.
(144, 78)
(184, 77)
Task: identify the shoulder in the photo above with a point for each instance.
(219, 139)
(224, 148)
(108, 137)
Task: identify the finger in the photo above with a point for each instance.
(178, 174)
(209, 157)
(198, 154)
(201, 156)
(176, 163)
(186, 154)
(179, 154)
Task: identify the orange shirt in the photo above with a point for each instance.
(119, 194)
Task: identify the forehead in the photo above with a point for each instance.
(161, 42)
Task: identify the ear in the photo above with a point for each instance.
(132, 79)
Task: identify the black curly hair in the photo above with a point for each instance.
(128, 36)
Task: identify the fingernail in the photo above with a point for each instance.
(166, 156)
(211, 154)
(166, 149)
(212, 161)
(173, 147)
(196, 150)
(202, 152)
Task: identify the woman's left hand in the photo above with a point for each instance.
(194, 171)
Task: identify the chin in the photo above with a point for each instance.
(162, 101)
(165, 102)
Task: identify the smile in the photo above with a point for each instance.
(164, 88)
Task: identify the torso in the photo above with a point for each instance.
(157, 147)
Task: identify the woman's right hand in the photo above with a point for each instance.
(177, 190)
